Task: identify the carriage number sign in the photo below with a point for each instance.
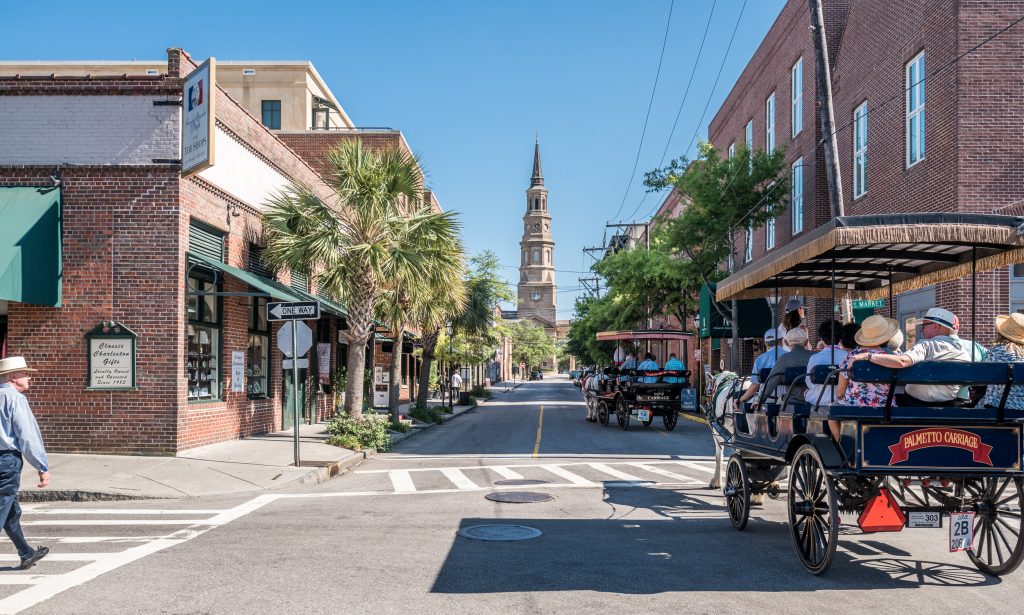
(961, 531)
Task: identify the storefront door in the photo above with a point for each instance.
(286, 407)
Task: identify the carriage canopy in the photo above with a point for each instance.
(873, 256)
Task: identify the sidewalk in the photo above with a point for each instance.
(249, 466)
(238, 467)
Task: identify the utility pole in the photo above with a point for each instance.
(823, 78)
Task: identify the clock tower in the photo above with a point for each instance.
(537, 298)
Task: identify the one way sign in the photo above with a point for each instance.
(296, 310)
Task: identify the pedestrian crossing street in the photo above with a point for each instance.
(88, 542)
(569, 474)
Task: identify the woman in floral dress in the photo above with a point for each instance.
(1008, 347)
(874, 333)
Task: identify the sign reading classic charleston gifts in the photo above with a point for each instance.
(926, 447)
(111, 359)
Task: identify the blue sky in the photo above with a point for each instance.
(468, 83)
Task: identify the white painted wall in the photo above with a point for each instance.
(98, 130)
(240, 173)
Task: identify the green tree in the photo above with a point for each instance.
(726, 198)
(592, 315)
(411, 294)
(379, 231)
(431, 316)
(530, 344)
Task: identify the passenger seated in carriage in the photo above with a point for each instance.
(831, 334)
(765, 360)
(675, 365)
(798, 356)
(937, 344)
(628, 363)
(1008, 347)
(874, 337)
(650, 363)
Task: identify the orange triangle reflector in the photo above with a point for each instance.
(882, 514)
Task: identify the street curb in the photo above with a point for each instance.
(326, 472)
(71, 495)
(695, 419)
(444, 419)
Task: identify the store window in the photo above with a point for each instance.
(202, 339)
(257, 370)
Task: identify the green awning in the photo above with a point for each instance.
(755, 317)
(325, 304)
(273, 288)
(31, 260)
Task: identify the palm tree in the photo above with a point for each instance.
(406, 299)
(442, 304)
(378, 232)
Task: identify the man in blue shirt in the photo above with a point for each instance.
(649, 364)
(766, 360)
(19, 436)
(674, 365)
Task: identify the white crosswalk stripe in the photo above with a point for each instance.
(459, 479)
(40, 584)
(573, 473)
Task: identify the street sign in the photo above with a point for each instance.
(303, 338)
(861, 304)
(295, 310)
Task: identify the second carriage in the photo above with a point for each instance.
(643, 394)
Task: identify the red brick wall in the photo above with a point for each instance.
(120, 245)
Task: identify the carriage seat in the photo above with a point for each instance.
(933, 372)
(792, 378)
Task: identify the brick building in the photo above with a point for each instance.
(175, 260)
(927, 121)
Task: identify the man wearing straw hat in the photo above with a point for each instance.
(937, 344)
(19, 436)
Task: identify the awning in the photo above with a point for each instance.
(644, 334)
(272, 288)
(876, 255)
(31, 261)
(755, 316)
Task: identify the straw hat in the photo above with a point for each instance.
(1011, 327)
(876, 330)
(14, 364)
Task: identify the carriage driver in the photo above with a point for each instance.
(766, 360)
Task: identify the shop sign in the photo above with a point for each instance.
(111, 359)
(198, 118)
(238, 371)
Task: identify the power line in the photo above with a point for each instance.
(650, 103)
(710, 94)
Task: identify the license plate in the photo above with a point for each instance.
(961, 531)
(643, 415)
(924, 519)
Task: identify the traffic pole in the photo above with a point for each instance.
(295, 391)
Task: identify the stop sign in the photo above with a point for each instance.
(303, 338)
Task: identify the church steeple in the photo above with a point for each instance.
(538, 175)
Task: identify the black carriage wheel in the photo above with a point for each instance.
(622, 413)
(813, 514)
(737, 491)
(998, 546)
(670, 419)
(602, 413)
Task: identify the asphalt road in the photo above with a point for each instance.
(631, 527)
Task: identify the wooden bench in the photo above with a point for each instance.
(935, 372)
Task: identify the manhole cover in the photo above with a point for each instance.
(519, 482)
(499, 532)
(518, 497)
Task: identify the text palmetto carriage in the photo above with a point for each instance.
(642, 393)
(895, 467)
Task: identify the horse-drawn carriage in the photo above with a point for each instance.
(644, 394)
(895, 467)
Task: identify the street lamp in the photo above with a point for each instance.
(450, 330)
